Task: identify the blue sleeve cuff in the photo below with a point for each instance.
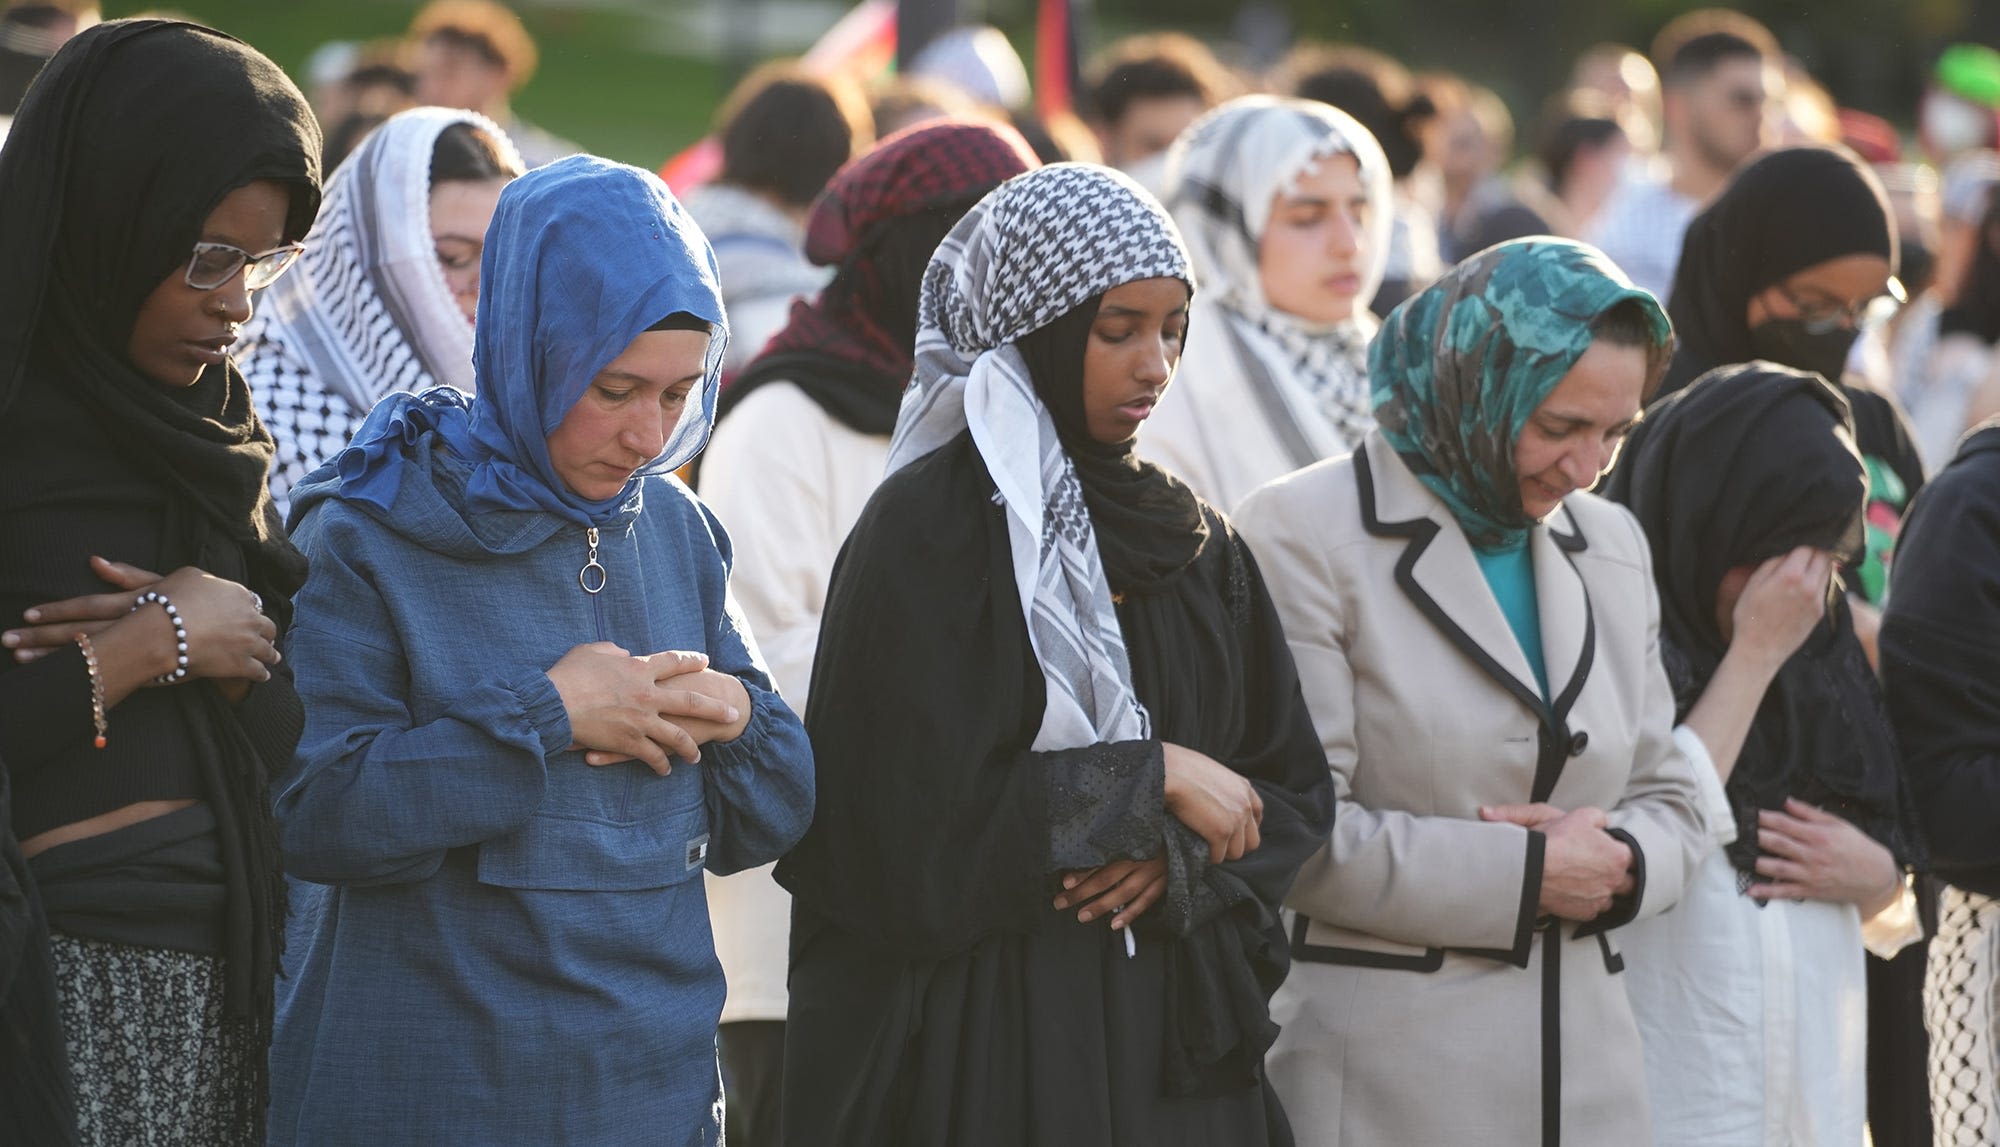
(543, 708)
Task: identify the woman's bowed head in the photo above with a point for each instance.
(577, 408)
(1512, 446)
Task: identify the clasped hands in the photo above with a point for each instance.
(650, 709)
(230, 640)
(1202, 793)
(1584, 867)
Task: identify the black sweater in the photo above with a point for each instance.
(1941, 662)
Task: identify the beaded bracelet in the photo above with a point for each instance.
(180, 671)
(96, 686)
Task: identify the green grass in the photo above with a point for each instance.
(598, 83)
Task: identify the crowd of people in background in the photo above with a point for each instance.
(1277, 607)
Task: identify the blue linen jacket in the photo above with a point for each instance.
(499, 943)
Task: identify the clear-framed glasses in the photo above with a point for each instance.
(214, 264)
(1820, 318)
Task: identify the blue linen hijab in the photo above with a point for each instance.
(583, 256)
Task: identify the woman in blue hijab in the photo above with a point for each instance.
(534, 714)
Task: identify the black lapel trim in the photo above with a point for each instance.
(1558, 743)
(1419, 533)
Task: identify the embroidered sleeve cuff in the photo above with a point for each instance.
(1189, 900)
(1105, 802)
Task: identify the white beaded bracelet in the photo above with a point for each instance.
(180, 672)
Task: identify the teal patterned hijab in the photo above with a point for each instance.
(1458, 369)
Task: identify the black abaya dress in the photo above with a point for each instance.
(937, 996)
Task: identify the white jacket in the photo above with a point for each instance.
(788, 481)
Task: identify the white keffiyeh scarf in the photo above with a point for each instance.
(1221, 177)
(1031, 251)
(366, 312)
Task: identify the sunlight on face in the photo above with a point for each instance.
(628, 413)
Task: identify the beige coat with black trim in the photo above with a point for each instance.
(1426, 1003)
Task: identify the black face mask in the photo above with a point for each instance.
(1788, 342)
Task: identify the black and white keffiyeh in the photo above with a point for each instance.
(1222, 175)
(1031, 251)
(367, 312)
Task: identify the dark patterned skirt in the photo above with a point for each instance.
(154, 1064)
(1962, 1011)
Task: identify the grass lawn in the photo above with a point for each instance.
(599, 82)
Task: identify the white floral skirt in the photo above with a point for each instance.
(155, 1065)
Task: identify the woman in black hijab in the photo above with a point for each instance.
(1784, 266)
(1749, 489)
(1065, 770)
(157, 174)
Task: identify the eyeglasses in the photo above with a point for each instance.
(214, 264)
(1820, 318)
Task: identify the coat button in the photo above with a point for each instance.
(1578, 742)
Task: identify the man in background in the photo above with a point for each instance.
(475, 54)
(1722, 78)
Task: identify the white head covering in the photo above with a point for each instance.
(367, 312)
(1222, 174)
(1030, 252)
(980, 61)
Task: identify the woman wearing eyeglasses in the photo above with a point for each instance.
(1786, 266)
(141, 715)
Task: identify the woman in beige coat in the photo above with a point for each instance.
(1478, 641)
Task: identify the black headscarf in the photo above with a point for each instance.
(127, 141)
(1790, 210)
(1149, 524)
(1744, 465)
(878, 222)
(135, 131)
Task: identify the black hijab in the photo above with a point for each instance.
(127, 141)
(130, 137)
(1744, 465)
(1790, 210)
(1149, 524)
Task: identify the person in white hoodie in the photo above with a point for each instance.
(1284, 204)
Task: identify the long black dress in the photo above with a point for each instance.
(937, 997)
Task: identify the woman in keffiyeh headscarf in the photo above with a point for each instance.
(534, 715)
(381, 301)
(1750, 995)
(801, 439)
(138, 216)
(1477, 638)
(1286, 208)
(1065, 772)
